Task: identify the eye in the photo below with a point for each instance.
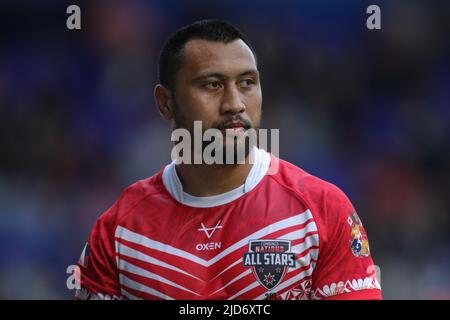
(246, 83)
(213, 85)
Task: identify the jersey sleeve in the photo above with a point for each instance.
(97, 265)
(345, 269)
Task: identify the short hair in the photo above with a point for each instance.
(171, 56)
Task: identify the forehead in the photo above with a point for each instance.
(203, 55)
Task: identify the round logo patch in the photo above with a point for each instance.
(359, 244)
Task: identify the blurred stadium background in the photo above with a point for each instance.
(366, 110)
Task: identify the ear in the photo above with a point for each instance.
(163, 99)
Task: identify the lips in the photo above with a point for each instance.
(234, 125)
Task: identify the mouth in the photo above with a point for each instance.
(235, 126)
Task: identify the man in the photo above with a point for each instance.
(263, 229)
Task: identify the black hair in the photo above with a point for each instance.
(171, 56)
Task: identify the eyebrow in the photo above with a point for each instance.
(222, 76)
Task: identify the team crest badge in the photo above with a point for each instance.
(359, 244)
(269, 260)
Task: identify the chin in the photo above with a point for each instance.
(233, 146)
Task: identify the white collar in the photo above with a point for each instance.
(257, 172)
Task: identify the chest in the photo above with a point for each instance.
(244, 252)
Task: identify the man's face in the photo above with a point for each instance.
(218, 84)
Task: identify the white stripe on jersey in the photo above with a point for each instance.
(124, 250)
(129, 267)
(124, 280)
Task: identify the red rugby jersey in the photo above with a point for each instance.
(285, 234)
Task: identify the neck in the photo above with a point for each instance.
(209, 180)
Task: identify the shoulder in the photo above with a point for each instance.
(328, 204)
(131, 197)
(317, 193)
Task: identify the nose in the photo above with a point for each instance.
(232, 102)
